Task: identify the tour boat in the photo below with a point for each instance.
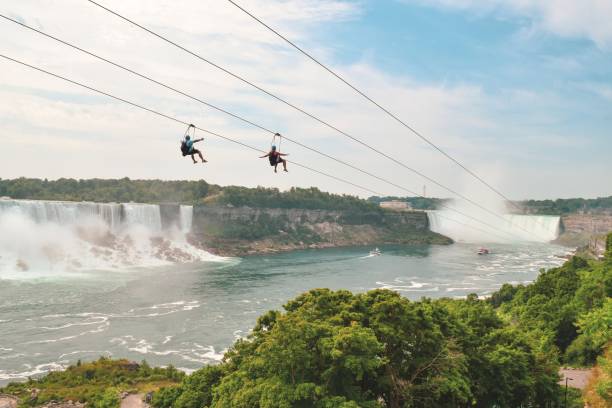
(375, 252)
(483, 251)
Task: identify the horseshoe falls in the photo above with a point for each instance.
(509, 228)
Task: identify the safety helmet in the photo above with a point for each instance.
(187, 137)
(273, 147)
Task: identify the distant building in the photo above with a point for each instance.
(396, 205)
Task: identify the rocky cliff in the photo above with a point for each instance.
(244, 230)
(579, 229)
(587, 223)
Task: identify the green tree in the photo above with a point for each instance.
(109, 399)
(198, 388)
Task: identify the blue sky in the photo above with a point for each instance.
(450, 46)
(519, 91)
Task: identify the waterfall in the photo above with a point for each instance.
(63, 212)
(186, 218)
(147, 215)
(537, 228)
(43, 236)
(543, 226)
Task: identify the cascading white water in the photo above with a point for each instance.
(38, 237)
(511, 228)
(64, 212)
(545, 227)
(147, 215)
(186, 218)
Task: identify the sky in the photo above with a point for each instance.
(519, 91)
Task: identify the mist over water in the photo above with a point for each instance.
(44, 238)
(461, 226)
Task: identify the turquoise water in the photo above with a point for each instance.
(187, 315)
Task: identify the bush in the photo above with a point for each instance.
(583, 351)
(166, 397)
(109, 399)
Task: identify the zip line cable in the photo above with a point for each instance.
(219, 135)
(301, 110)
(231, 114)
(178, 120)
(378, 105)
(385, 110)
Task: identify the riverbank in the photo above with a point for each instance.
(280, 244)
(230, 231)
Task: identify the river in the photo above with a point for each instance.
(188, 314)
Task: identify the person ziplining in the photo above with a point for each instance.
(187, 145)
(275, 156)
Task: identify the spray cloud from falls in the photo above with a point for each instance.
(42, 237)
(504, 228)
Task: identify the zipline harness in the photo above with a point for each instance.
(184, 147)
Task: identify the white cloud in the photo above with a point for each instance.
(567, 18)
(52, 129)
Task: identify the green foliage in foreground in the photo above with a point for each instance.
(337, 349)
(98, 383)
(569, 307)
(378, 349)
(331, 349)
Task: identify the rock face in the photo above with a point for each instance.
(585, 229)
(244, 230)
(592, 224)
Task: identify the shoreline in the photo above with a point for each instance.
(242, 248)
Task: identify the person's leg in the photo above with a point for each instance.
(275, 168)
(201, 157)
(193, 158)
(285, 165)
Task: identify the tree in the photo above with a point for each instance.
(376, 349)
(109, 399)
(198, 388)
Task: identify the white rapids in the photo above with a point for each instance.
(38, 237)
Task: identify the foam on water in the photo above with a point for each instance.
(39, 239)
(188, 315)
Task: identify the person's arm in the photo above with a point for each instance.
(266, 155)
(283, 154)
(198, 140)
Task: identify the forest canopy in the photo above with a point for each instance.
(180, 191)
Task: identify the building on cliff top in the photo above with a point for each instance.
(396, 205)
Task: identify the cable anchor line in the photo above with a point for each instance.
(306, 113)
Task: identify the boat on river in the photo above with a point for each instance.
(375, 252)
